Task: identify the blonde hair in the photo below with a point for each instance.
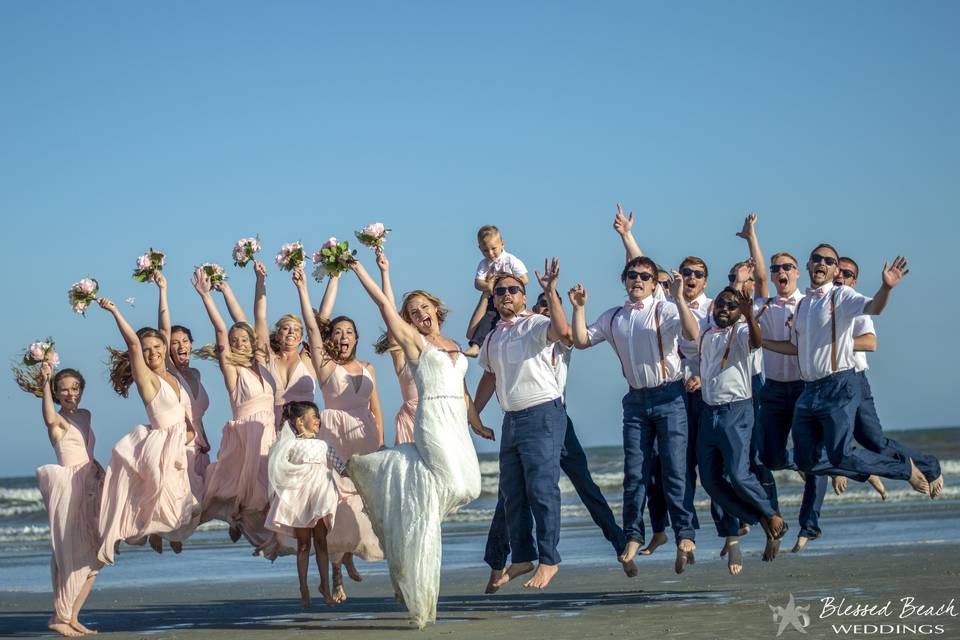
(236, 358)
(487, 231)
(275, 334)
(121, 372)
(783, 254)
(385, 344)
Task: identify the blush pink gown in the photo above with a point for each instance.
(300, 387)
(408, 410)
(197, 462)
(237, 489)
(71, 493)
(352, 531)
(147, 486)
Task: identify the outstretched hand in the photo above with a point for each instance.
(745, 301)
(894, 273)
(551, 273)
(260, 270)
(160, 279)
(382, 261)
(46, 371)
(201, 282)
(297, 276)
(748, 226)
(623, 224)
(106, 304)
(676, 284)
(577, 295)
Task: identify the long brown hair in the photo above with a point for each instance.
(326, 332)
(121, 372)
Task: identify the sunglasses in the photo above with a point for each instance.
(817, 258)
(643, 275)
(502, 291)
(777, 268)
(848, 274)
(686, 272)
(730, 305)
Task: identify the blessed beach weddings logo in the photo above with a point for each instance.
(907, 616)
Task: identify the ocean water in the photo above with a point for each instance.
(859, 515)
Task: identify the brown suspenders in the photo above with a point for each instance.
(656, 318)
(726, 352)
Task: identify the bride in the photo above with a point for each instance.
(410, 489)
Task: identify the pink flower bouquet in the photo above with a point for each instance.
(290, 256)
(40, 351)
(245, 250)
(81, 294)
(149, 264)
(373, 235)
(214, 271)
(333, 259)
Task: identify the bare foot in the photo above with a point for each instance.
(659, 539)
(492, 587)
(839, 484)
(82, 629)
(630, 551)
(684, 555)
(514, 570)
(305, 598)
(877, 485)
(744, 530)
(472, 351)
(630, 568)
(771, 550)
(235, 533)
(542, 577)
(917, 481)
(327, 596)
(339, 595)
(351, 569)
(176, 546)
(802, 541)
(731, 548)
(64, 629)
(936, 487)
(156, 542)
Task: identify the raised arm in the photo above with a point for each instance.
(403, 333)
(163, 309)
(578, 300)
(624, 226)
(260, 325)
(146, 380)
(473, 417)
(746, 311)
(559, 328)
(322, 363)
(892, 275)
(233, 307)
(329, 298)
(201, 282)
(385, 284)
(56, 425)
(749, 233)
(690, 327)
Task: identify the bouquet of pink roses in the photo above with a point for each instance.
(373, 235)
(290, 256)
(28, 373)
(81, 294)
(214, 271)
(333, 259)
(148, 264)
(245, 250)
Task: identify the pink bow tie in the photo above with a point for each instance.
(512, 321)
(817, 292)
(693, 305)
(633, 305)
(786, 301)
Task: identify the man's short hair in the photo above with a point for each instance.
(856, 267)
(504, 276)
(784, 254)
(487, 231)
(824, 245)
(693, 261)
(642, 261)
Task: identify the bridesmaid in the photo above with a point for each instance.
(180, 340)
(147, 485)
(350, 386)
(387, 343)
(237, 489)
(71, 493)
(289, 365)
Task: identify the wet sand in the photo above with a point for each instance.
(583, 602)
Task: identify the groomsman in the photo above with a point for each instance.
(644, 333)
(573, 462)
(822, 337)
(517, 361)
(867, 430)
(724, 441)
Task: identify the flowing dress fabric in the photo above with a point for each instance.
(304, 491)
(351, 430)
(408, 491)
(408, 410)
(237, 488)
(147, 486)
(300, 387)
(197, 461)
(71, 493)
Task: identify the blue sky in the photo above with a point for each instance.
(188, 125)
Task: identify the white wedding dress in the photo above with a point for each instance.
(407, 491)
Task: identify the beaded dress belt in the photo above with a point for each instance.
(438, 397)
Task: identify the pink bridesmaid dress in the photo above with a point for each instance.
(71, 493)
(408, 410)
(301, 386)
(147, 486)
(237, 488)
(350, 430)
(197, 462)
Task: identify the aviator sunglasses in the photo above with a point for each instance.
(817, 258)
(777, 268)
(686, 272)
(502, 291)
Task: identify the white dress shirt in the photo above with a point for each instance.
(731, 382)
(632, 332)
(812, 331)
(505, 263)
(560, 358)
(773, 326)
(520, 355)
(700, 307)
(862, 326)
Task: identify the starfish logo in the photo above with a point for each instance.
(791, 616)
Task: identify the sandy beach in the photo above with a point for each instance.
(584, 602)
